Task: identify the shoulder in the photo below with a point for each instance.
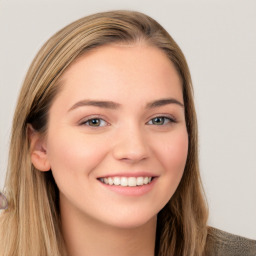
(220, 243)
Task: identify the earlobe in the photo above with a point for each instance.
(38, 151)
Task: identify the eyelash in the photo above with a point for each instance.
(167, 121)
(94, 119)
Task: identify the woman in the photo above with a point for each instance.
(103, 157)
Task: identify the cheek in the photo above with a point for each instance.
(173, 154)
(74, 154)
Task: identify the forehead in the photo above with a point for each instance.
(123, 54)
(122, 70)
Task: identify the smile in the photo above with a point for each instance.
(127, 181)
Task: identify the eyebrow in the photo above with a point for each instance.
(163, 102)
(96, 103)
(114, 105)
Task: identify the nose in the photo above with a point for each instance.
(131, 146)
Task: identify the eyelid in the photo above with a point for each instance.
(83, 121)
(171, 118)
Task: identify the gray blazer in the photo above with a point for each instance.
(220, 243)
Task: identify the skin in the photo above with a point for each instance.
(95, 219)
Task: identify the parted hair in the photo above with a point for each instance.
(31, 224)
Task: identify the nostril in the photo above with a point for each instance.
(131, 146)
(127, 154)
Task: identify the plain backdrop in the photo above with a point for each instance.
(218, 39)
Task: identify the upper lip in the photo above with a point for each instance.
(129, 174)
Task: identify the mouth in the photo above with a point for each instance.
(126, 181)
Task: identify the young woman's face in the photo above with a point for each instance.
(119, 117)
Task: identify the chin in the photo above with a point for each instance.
(133, 221)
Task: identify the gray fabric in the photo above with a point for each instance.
(220, 243)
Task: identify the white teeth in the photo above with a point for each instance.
(132, 182)
(110, 181)
(140, 181)
(117, 181)
(146, 180)
(124, 181)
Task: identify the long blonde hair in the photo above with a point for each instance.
(31, 224)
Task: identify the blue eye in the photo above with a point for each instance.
(160, 120)
(95, 122)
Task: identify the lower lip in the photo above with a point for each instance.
(131, 191)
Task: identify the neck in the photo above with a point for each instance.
(85, 236)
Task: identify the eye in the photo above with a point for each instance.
(95, 122)
(161, 120)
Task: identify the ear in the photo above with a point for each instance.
(38, 152)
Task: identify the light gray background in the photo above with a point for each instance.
(218, 39)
